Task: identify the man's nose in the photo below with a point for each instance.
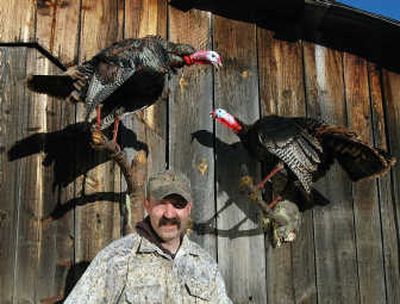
(170, 211)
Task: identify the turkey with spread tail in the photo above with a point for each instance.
(123, 78)
(306, 148)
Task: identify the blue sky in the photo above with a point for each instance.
(388, 8)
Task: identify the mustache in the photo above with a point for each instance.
(169, 221)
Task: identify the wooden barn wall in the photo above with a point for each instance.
(61, 202)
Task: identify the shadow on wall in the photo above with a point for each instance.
(70, 153)
(331, 25)
(226, 155)
(228, 183)
(69, 150)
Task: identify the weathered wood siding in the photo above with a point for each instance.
(61, 202)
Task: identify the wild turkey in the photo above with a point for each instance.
(123, 78)
(306, 148)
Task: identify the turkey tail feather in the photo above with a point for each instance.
(53, 85)
(357, 158)
(360, 161)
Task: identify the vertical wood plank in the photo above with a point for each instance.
(56, 244)
(35, 187)
(335, 248)
(240, 241)
(391, 83)
(145, 17)
(281, 77)
(387, 204)
(96, 225)
(38, 64)
(18, 21)
(101, 25)
(64, 197)
(12, 114)
(291, 274)
(191, 92)
(28, 189)
(57, 28)
(142, 18)
(365, 196)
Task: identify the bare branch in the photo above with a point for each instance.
(135, 177)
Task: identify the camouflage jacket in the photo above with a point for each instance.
(134, 270)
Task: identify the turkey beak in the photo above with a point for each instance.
(212, 114)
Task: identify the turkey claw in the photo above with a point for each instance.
(246, 186)
(98, 138)
(283, 223)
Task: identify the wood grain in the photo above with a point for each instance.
(17, 19)
(390, 85)
(290, 269)
(191, 92)
(334, 232)
(12, 67)
(56, 246)
(57, 28)
(98, 223)
(365, 196)
(386, 200)
(240, 241)
(144, 18)
(28, 186)
(52, 225)
(101, 25)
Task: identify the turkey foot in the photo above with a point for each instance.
(98, 138)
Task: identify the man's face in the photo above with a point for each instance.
(169, 217)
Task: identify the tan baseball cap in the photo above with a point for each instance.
(169, 182)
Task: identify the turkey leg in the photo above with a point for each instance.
(98, 112)
(115, 131)
(273, 203)
(274, 171)
(261, 185)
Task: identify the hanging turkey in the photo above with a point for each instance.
(306, 148)
(126, 77)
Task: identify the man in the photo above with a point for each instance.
(158, 264)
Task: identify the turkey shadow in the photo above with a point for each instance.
(62, 208)
(329, 24)
(231, 160)
(235, 231)
(69, 150)
(70, 153)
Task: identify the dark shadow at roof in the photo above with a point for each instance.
(333, 25)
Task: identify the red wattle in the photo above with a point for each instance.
(233, 125)
(188, 60)
(236, 127)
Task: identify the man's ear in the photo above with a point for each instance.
(189, 206)
(146, 205)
